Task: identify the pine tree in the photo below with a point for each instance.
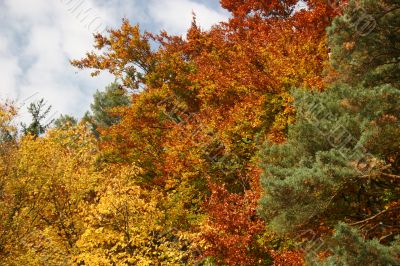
(365, 42)
(102, 109)
(39, 112)
(65, 121)
(350, 248)
(341, 162)
(103, 103)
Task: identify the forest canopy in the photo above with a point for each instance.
(270, 139)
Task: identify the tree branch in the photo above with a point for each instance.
(374, 216)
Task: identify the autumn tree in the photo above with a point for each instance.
(61, 205)
(125, 225)
(132, 60)
(7, 158)
(8, 129)
(45, 187)
(207, 102)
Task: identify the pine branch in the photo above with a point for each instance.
(374, 216)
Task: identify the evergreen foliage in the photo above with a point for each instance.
(39, 112)
(350, 248)
(104, 102)
(365, 42)
(341, 161)
(65, 121)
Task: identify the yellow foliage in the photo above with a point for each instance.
(60, 205)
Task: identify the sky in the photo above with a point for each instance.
(39, 37)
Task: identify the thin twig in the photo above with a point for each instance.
(373, 217)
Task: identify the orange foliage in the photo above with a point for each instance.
(288, 258)
(208, 101)
(233, 226)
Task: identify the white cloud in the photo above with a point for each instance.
(36, 10)
(9, 71)
(176, 15)
(53, 33)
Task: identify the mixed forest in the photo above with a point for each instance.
(270, 139)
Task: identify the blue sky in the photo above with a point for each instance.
(38, 37)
